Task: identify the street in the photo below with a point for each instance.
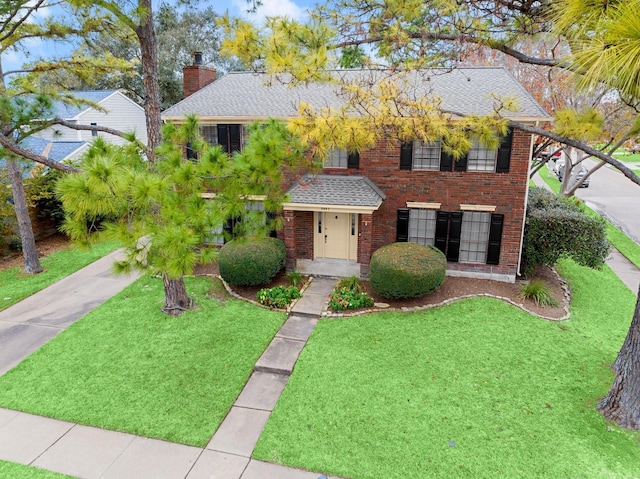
(615, 197)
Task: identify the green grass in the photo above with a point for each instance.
(474, 389)
(128, 367)
(15, 285)
(19, 471)
(629, 248)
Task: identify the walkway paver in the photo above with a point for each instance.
(280, 356)
(239, 432)
(263, 470)
(262, 391)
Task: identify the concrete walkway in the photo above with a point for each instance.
(87, 452)
(27, 325)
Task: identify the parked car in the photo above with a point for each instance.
(578, 171)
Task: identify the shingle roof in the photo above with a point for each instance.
(63, 110)
(251, 95)
(336, 190)
(58, 151)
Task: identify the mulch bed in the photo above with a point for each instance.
(45, 246)
(453, 287)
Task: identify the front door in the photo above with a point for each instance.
(335, 235)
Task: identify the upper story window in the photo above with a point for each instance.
(430, 156)
(342, 159)
(426, 156)
(481, 158)
(228, 136)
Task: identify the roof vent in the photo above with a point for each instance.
(197, 58)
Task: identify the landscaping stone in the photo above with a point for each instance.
(381, 305)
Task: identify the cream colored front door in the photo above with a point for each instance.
(335, 235)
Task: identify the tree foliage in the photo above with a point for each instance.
(160, 212)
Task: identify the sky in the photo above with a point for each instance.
(295, 9)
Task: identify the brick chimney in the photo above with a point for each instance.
(197, 76)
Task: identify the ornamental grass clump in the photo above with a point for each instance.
(538, 291)
(406, 270)
(278, 297)
(251, 261)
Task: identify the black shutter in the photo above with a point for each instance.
(442, 228)
(455, 228)
(461, 164)
(495, 238)
(223, 137)
(191, 153)
(504, 153)
(446, 161)
(402, 230)
(353, 160)
(406, 156)
(229, 138)
(234, 138)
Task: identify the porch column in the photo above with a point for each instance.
(289, 231)
(364, 243)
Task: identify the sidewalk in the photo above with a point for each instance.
(27, 325)
(88, 452)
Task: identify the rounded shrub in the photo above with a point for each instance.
(406, 270)
(251, 261)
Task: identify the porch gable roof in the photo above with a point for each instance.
(322, 192)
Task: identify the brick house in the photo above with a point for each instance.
(472, 209)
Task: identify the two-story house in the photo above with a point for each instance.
(472, 209)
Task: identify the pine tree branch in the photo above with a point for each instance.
(30, 155)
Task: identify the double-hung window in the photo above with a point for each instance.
(481, 158)
(474, 237)
(422, 226)
(342, 159)
(463, 236)
(426, 156)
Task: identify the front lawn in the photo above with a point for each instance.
(18, 471)
(475, 389)
(15, 285)
(128, 367)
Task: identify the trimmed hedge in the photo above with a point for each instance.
(251, 261)
(406, 270)
(557, 228)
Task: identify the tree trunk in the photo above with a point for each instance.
(29, 251)
(176, 299)
(148, 48)
(622, 403)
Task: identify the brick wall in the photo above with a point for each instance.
(196, 77)
(506, 191)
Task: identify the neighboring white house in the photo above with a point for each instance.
(120, 113)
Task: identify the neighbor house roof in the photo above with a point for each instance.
(245, 96)
(332, 192)
(63, 110)
(55, 150)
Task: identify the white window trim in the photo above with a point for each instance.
(425, 206)
(485, 208)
